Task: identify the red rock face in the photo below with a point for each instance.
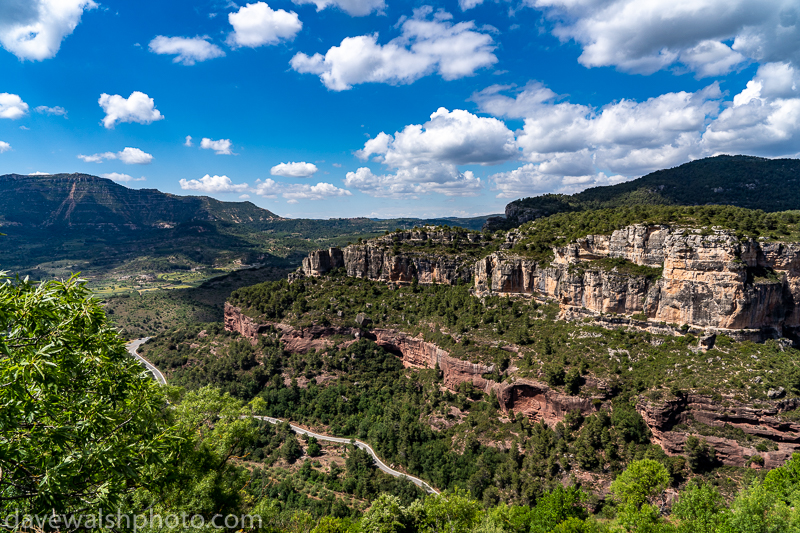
(531, 398)
(414, 352)
(538, 402)
(662, 417)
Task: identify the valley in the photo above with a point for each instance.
(548, 358)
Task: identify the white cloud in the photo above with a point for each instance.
(709, 37)
(213, 184)
(129, 156)
(425, 157)
(626, 137)
(39, 174)
(426, 45)
(244, 197)
(456, 137)
(57, 110)
(188, 141)
(408, 183)
(258, 25)
(354, 8)
(764, 118)
(294, 170)
(570, 147)
(320, 191)
(529, 179)
(4, 147)
(138, 107)
(134, 156)
(12, 106)
(269, 188)
(220, 147)
(34, 29)
(187, 50)
(122, 178)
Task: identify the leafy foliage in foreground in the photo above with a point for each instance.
(80, 424)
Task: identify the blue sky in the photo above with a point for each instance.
(384, 108)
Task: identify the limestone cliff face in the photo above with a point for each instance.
(709, 281)
(763, 423)
(381, 259)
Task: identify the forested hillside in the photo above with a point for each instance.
(743, 181)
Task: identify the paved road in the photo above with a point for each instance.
(134, 345)
(363, 445)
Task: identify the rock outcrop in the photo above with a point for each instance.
(714, 282)
(400, 258)
(756, 425)
(533, 399)
(413, 351)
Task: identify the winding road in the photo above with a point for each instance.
(134, 345)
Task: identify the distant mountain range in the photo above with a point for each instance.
(83, 201)
(744, 181)
(60, 223)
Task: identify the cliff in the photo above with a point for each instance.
(668, 421)
(401, 257)
(714, 282)
(532, 398)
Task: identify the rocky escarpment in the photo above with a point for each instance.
(533, 399)
(401, 257)
(751, 424)
(714, 282)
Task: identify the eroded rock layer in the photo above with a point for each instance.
(709, 281)
(532, 398)
(755, 425)
(399, 258)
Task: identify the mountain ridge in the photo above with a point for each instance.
(82, 200)
(738, 180)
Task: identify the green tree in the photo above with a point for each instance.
(555, 507)
(634, 489)
(699, 508)
(81, 424)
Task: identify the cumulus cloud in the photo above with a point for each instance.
(57, 110)
(34, 29)
(129, 156)
(39, 174)
(644, 37)
(187, 51)
(12, 106)
(138, 107)
(269, 188)
(764, 118)
(213, 184)
(425, 157)
(188, 141)
(626, 137)
(354, 8)
(570, 147)
(426, 45)
(258, 24)
(294, 170)
(320, 191)
(4, 147)
(220, 147)
(531, 179)
(122, 178)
